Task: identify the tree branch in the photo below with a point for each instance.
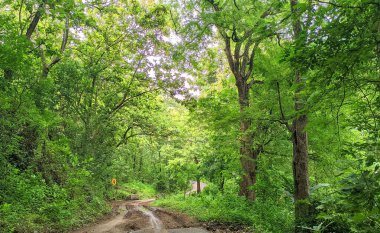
(251, 60)
(124, 137)
(283, 118)
(343, 6)
(229, 55)
(36, 19)
(20, 17)
(63, 45)
(125, 100)
(252, 82)
(246, 57)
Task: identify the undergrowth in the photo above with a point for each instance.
(29, 204)
(125, 190)
(262, 215)
(36, 206)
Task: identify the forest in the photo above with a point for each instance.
(272, 105)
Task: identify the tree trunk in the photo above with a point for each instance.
(196, 161)
(300, 170)
(299, 138)
(159, 160)
(240, 58)
(198, 185)
(247, 156)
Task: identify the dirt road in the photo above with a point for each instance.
(139, 217)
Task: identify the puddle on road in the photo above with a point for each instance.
(156, 223)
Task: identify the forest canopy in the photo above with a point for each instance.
(273, 104)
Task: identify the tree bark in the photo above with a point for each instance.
(36, 19)
(300, 163)
(247, 155)
(300, 171)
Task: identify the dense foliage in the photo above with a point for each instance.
(275, 105)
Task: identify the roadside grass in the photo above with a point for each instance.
(233, 210)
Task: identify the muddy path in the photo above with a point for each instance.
(139, 217)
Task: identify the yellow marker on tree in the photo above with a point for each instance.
(113, 181)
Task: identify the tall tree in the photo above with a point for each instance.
(242, 33)
(299, 135)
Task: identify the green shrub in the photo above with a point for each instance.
(352, 204)
(47, 208)
(139, 188)
(234, 210)
(124, 190)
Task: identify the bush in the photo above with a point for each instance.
(234, 210)
(47, 208)
(352, 204)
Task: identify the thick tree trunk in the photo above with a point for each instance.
(240, 58)
(299, 139)
(300, 168)
(247, 156)
(248, 162)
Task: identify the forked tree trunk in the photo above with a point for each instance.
(240, 58)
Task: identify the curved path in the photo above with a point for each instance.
(138, 217)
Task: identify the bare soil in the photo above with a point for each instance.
(139, 217)
(172, 220)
